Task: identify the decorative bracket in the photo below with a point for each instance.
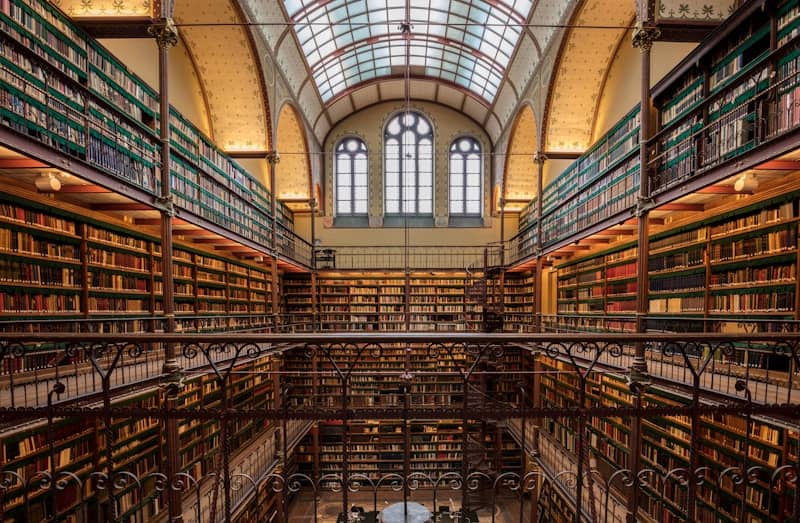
(539, 158)
(165, 32)
(643, 205)
(168, 204)
(272, 157)
(644, 35)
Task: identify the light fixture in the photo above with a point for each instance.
(47, 182)
(747, 182)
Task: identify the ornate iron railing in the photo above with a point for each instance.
(555, 393)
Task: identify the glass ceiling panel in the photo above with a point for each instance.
(466, 42)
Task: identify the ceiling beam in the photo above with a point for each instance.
(596, 241)
(21, 163)
(694, 207)
(572, 248)
(84, 189)
(235, 249)
(720, 189)
(122, 207)
(215, 241)
(694, 33)
(616, 232)
(157, 221)
(191, 232)
(116, 27)
(779, 165)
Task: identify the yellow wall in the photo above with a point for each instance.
(622, 88)
(447, 124)
(140, 55)
(257, 167)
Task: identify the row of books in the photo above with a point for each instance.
(766, 216)
(769, 243)
(775, 301)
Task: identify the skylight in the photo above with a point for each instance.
(467, 43)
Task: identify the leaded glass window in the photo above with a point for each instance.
(352, 175)
(408, 165)
(465, 177)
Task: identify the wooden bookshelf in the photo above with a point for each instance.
(666, 444)
(741, 263)
(60, 87)
(443, 301)
(60, 262)
(377, 447)
(79, 446)
(518, 302)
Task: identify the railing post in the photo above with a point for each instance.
(166, 36)
(273, 158)
(539, 159)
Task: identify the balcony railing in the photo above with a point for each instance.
(414, 258)
(720, 451)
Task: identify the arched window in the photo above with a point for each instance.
(465, 177)
(408, 174)
(351, 177)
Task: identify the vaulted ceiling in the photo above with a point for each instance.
(335, 57)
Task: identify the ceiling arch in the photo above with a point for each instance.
(520, 170)
(237, 102)
(585, 56)
(293, 171)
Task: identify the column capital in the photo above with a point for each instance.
(643, 206)
(165, 32)
(539, 158)
(644, 35)
(273, 157)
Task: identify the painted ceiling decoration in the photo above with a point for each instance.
(694, 10)
(103, 8)
(236, 101)
(586, 54)
(292, 173)
(520, 169)
(468, 43)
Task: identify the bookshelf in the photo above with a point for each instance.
(721, 102)
(518, 302)
(136, 447)
(378, 447)
(666, 445)
(62, 262)
(738, 263)
(603, 285)
(63, 89)
(377, 301)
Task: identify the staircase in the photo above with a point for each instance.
(480, 457)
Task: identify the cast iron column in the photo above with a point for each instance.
(315, 316)
(539, 158)
(644, 35)
(166, 36)
(272, 160)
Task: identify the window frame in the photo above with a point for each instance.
(401, 160)
(341, 149)
(463, 157)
